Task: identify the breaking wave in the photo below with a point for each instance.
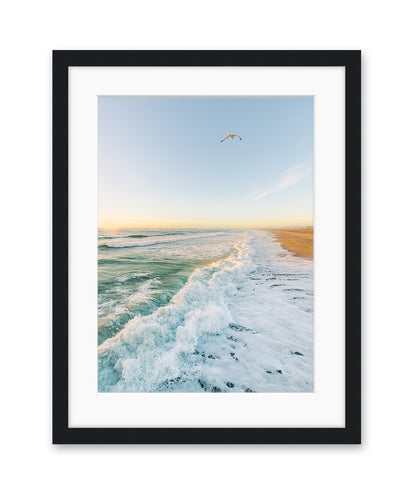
(155, 240)
(241, 323)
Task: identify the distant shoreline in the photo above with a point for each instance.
(298, 241)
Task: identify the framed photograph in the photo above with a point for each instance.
(206, 247)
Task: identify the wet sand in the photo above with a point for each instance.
(298, 241)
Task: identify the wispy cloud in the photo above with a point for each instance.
(250, 197)
(288, 178)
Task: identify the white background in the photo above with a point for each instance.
(384, 465)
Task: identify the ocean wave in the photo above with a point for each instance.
(160, 240)
(110, 312)
(132, 275)
(227, 329)
(126, 236)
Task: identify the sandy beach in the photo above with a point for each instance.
(299, 241)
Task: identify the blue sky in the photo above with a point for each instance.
(161, 163)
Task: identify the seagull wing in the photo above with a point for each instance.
(225, 138)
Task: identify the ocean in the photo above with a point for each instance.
(203, 311)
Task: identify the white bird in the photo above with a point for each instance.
(232, 136)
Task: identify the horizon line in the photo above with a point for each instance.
(296, 226)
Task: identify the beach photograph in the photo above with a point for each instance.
(205, 244)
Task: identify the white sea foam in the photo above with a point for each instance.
(151, 241)
(110, 311)
(243, 323)
(132, 275)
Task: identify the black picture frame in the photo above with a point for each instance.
(351, 434)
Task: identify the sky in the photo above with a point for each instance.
(161, 162)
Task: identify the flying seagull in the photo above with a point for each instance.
(232, 136)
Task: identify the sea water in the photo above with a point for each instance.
(203, 311)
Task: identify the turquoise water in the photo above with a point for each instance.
(137, 274)
(202, 310)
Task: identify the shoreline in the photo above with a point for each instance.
(298, 241)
